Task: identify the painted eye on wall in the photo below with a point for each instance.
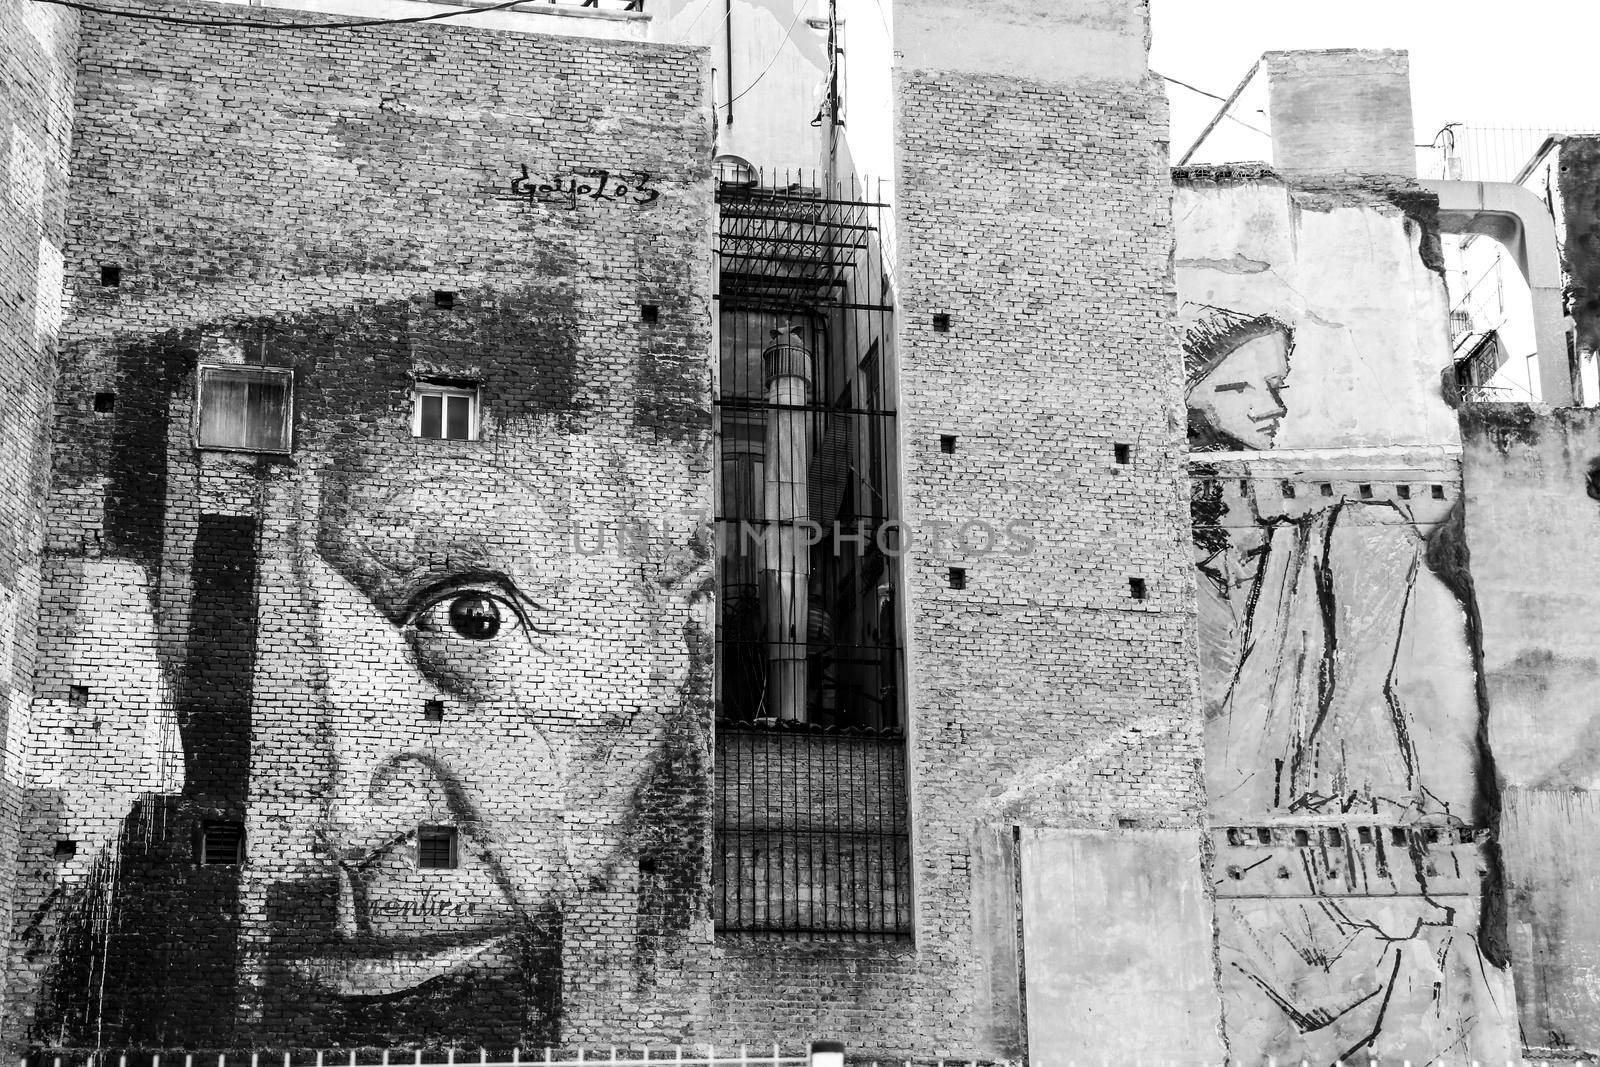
(473, 607)
(475, 616)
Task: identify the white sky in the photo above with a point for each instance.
(1483, 62)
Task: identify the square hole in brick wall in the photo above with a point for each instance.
(1438, 492)
(1327, 489)
(110, 275)
(941, 323)
(65, 849)
(78, 695)
(947, 443)
(649, 313)
(1365, 491)
(437, 847)
(444, 299)
(958, 578)
(1403, 492)
(105, 403)
(221, 843)
(1122, 453)
(1136, 589)
(1287, 488)
(433, 710)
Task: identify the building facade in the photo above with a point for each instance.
(751, 521)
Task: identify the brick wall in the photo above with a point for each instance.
(273, 641)
(1036, 216)
(36, 46)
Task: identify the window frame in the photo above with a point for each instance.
(445, 388)
(454, 838)
(207, 827)
(247, 373)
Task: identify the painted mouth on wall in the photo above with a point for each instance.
(376, 969)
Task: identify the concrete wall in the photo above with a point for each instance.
(1338, 658)
(234, 637)
(1531, 496)
(36, 53)
(1341, 110)
(1119, 947)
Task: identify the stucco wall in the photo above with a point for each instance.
(1532, 503)
(1337, 635)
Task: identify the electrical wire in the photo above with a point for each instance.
(798, 11)
(1214, 96)
(690, 28)
(257, 24)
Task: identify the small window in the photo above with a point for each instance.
(958, 578)
(444, 412)
(1136, 589)
(947, 444)
(1123, 453)
(105, 403)
(111, 275)
(436, 846)
(245, 409)
(941, 323)
(222, 843)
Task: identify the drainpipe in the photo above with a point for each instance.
(727, 34)
(787, 370)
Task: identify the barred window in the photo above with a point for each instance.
(436, 846)
(221, 843)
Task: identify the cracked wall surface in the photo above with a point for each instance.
(1532, 500)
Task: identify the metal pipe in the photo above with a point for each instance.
(787, 368)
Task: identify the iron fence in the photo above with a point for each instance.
(811, 797)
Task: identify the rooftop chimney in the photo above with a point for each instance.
(1341, 111)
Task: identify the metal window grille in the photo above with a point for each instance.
(436, 846)
(221, 843)
(810, 753)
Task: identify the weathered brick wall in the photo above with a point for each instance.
(1036, 216)
(36, 47)
(242, 638)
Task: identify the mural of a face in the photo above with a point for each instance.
(476, 672)
(1237, 370)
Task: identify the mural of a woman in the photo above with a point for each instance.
(1339, 685)
(1235, 367)
(1332, 655)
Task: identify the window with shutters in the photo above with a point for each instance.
(245, 409)
(221, 843)
(444, 412)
